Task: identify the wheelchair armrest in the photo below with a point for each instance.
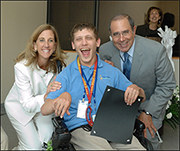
(138, 129)
(138, 133)
(139, 125)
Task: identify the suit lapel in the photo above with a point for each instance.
(137, 61)
(50, 78)
(45, 78)
(116, 58)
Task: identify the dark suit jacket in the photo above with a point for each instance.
(151, 70)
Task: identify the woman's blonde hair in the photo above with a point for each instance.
(30, 55)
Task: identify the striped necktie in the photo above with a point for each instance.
(126, 65)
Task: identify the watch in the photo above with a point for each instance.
(147, 113)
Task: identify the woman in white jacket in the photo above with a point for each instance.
(35, 71)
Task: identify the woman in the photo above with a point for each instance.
(153, 22)
(35, 72)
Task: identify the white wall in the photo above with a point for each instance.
(18, 20)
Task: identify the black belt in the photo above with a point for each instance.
(85, 127)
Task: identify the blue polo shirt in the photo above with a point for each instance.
(71, 82)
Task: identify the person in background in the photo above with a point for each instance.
(4, 140)
(153, 21)
(168, 35)
(149, 68)
(83, 84)
(169, 20)
(35, 72)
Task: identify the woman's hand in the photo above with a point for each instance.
(53, 86)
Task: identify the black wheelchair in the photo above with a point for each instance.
(61, 135)
(138, 133)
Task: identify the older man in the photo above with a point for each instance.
(146, 65)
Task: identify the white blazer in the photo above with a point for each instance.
(27, 94)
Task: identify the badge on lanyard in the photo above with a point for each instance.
(81, 112)
(88, 93)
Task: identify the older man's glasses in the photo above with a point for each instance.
(123, 33)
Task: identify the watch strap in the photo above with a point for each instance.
(147, 113)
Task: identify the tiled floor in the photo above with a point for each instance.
(170, 137)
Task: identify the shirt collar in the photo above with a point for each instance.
(40, 71)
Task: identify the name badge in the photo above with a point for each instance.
(93, 117)
(82, 106)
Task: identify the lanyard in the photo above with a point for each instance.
(89, 94)
(87, 81)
